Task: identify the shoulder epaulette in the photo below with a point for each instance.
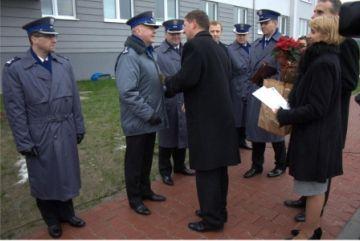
(125, 51)
(61, 56)
(13, 60)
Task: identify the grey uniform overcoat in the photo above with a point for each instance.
(240, 60)
(259, 55)
(140, 90)
(44, 111)
(169, 61)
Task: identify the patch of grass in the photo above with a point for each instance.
(102, 171)
(357, 90)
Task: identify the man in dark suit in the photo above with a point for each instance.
(349, 61)
(215, 29)
(204, 80)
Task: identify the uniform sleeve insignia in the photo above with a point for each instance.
(9, 62)
(125, 50)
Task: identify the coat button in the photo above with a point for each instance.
(55, 136)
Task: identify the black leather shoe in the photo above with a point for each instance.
(300, 217)
(55, 231)
(141, 209)
(203, 227)
(252, 172)
(186, 172)
(155, 197)
(76, 222)
(276, 172)
(167, 180)
(244, 145)
(300, 203)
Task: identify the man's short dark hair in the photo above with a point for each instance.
(216, 23)
(336, 4)
(200, 17)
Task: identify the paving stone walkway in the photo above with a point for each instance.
(255, 205)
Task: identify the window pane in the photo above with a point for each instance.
(244, 15)
(125, 9)
(159, 10)
(171, 8)
(212, 11)
(110, 9)
(65, 7)
(46, 7)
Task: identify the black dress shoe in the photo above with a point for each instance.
(300, 217)
(203, 227)
(141, 209)
(276, 172)
(155, 197)
(76, 222)
(55, 231)
(252, 172)
(300, 203)
(186, 172)
(167, 180)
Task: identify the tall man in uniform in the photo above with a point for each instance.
(142, 108)
(172, 140)
(239, 52)
(43, 108)
(349, 62)
(260, 53)
(204, 79)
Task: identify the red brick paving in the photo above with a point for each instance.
(254, 205)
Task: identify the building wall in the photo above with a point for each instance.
(93, 44)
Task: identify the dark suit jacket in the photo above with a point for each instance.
(204, 80)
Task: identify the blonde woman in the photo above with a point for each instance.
(315, 148)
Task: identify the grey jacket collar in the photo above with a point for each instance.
(135, 44)
(28, 61)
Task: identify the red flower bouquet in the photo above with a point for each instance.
(287, 52)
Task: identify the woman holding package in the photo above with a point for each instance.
(315, 149)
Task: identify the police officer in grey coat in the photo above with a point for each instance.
(142, 108)
(260, 53)
(172, 140)
(239, 52)
(43, 108)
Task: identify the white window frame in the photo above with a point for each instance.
(216, 8)
(307, 26)
(307, 1)
(166, 17)
(280, 24)
(56, 12)
(238, 14)
(117, 13)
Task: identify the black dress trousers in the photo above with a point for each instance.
(165, 155)
(241, 135)
(258, 155)
(54, 211)
(212, 189)
(138, 160)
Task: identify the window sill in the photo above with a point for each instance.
(108, 20)
(306, 1)
(62, 17)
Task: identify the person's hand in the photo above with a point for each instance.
(33, 152)
(79, 137)
(275, 110)
(154, 120)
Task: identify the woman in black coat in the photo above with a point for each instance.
(315, 148)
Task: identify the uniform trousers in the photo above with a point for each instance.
(212, 189)
(55, 211)
(258, 155)
(178, 156)
(138, 160)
